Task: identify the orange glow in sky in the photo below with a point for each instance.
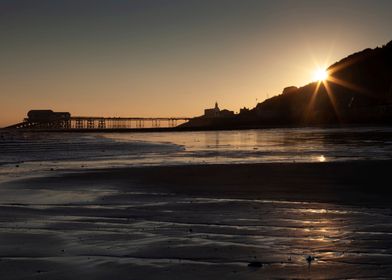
(172, 58)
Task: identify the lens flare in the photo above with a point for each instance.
(320, 75)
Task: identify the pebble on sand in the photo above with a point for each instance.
(309, 259)
(255, 264)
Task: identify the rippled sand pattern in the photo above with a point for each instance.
(132, 234)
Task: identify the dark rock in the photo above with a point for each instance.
(309, 259)
(255, 264)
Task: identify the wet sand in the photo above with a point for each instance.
(200, 222)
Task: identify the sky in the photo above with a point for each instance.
(171, 58)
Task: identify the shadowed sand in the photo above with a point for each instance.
(200, 222)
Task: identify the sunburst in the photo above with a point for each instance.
(321, 75)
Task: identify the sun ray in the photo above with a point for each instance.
(311, 101)
(332, 99)
(329, 55)
(343, 64)
(325, 76)
(347, 85)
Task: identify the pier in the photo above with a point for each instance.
(47, 119)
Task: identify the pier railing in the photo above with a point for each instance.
(75, 123)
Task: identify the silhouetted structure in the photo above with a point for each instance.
(213, 112)
(47, 119)
(210, 118)
(47, 116)
(217, 113)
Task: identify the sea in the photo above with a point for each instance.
(32, 153)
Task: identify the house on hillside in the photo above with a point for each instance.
(217, 113)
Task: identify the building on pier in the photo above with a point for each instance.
(47, 116)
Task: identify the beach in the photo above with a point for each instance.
(195, 140)
(326, 220)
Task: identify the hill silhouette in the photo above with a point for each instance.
(358, 91)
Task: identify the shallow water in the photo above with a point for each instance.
(27, 153)
(161, 235)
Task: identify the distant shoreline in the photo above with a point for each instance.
(191, 129)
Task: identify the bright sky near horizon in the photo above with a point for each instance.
(172, 57)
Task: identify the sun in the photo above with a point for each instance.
(320, 75)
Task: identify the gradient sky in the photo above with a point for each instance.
(171, 57)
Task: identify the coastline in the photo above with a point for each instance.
(182, 128)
